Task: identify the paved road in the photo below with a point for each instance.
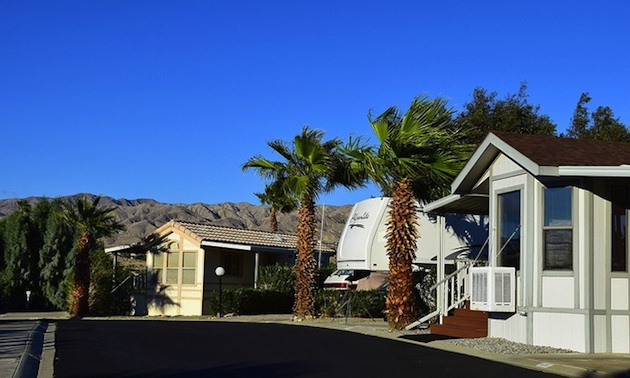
(20, 347)
(98, 348)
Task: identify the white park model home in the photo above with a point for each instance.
(558, 211)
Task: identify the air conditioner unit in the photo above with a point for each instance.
(493, 289)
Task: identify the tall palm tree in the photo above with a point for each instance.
(418, 155)
(310, 166)
(278, 199)
(92, 223)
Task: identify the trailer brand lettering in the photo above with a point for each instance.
(357, 217)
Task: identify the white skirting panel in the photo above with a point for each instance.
(620, 333)
(599, 329)
(560, 330)
(619, 293)
(514, 328)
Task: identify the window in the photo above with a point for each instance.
(558, 229)
(619, 227)
(232, 264)
(509, 206)
(158, 268)
(188, 268)
(172, 267)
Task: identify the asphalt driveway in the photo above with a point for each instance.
(111, 348)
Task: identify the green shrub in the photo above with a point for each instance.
(247, 301)
(328, 302)
(321, 274)
(363, 303)
(102, 301)
(276, 278)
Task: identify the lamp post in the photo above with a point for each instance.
(219, 271)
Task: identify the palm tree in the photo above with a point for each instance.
(277, 197)
(311, 166)
(418, 155)
(92, 223)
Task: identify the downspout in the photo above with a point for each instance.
(256, 263)
(441, 297)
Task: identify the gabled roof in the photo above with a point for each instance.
(208, 234)
(548, 150)
(545, 155)
(539, 155)
(211, 233)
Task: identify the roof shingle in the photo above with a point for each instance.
(212, 233)
(546, 150)
(208, 232)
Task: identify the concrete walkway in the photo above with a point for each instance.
(27, 343)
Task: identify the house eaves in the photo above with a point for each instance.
(595, 171)
(538, 155)
(483, 157)
(459, 203)
(215, 244)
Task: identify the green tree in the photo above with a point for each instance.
(418, 155)
(580, 119)
(310, 166)
(29, 263)
(56, 258)
(485, 113)
(278, 199)
(19, 274)
(92, 224)
(599, 125)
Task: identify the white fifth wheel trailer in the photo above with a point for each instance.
(362, 242)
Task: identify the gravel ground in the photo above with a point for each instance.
(503, 346)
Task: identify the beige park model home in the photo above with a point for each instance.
(558, 215)
(182, 273)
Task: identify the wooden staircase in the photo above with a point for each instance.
(464, 323)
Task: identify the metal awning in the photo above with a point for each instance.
(459, 204)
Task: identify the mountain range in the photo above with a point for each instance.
(142, 216)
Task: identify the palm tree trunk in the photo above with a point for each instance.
(273, 219)
(304, 305)
(79, 305)
(401, 247)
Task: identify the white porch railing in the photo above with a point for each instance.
(452, 291)
(455, 292)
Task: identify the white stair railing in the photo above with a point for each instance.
(455, 289)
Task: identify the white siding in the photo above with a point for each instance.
(514, 328)
(560, 330)
(599, 330)
(601, 264)
(619, 293)
(558, 292)
(504, 165)
(620, 334)
(581, 234)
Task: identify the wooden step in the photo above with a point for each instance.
(463, 323)
(454, 321)
(468, 333)
(465, 313)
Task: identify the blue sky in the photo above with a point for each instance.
(166, 99)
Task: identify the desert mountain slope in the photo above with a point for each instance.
(143, 216)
